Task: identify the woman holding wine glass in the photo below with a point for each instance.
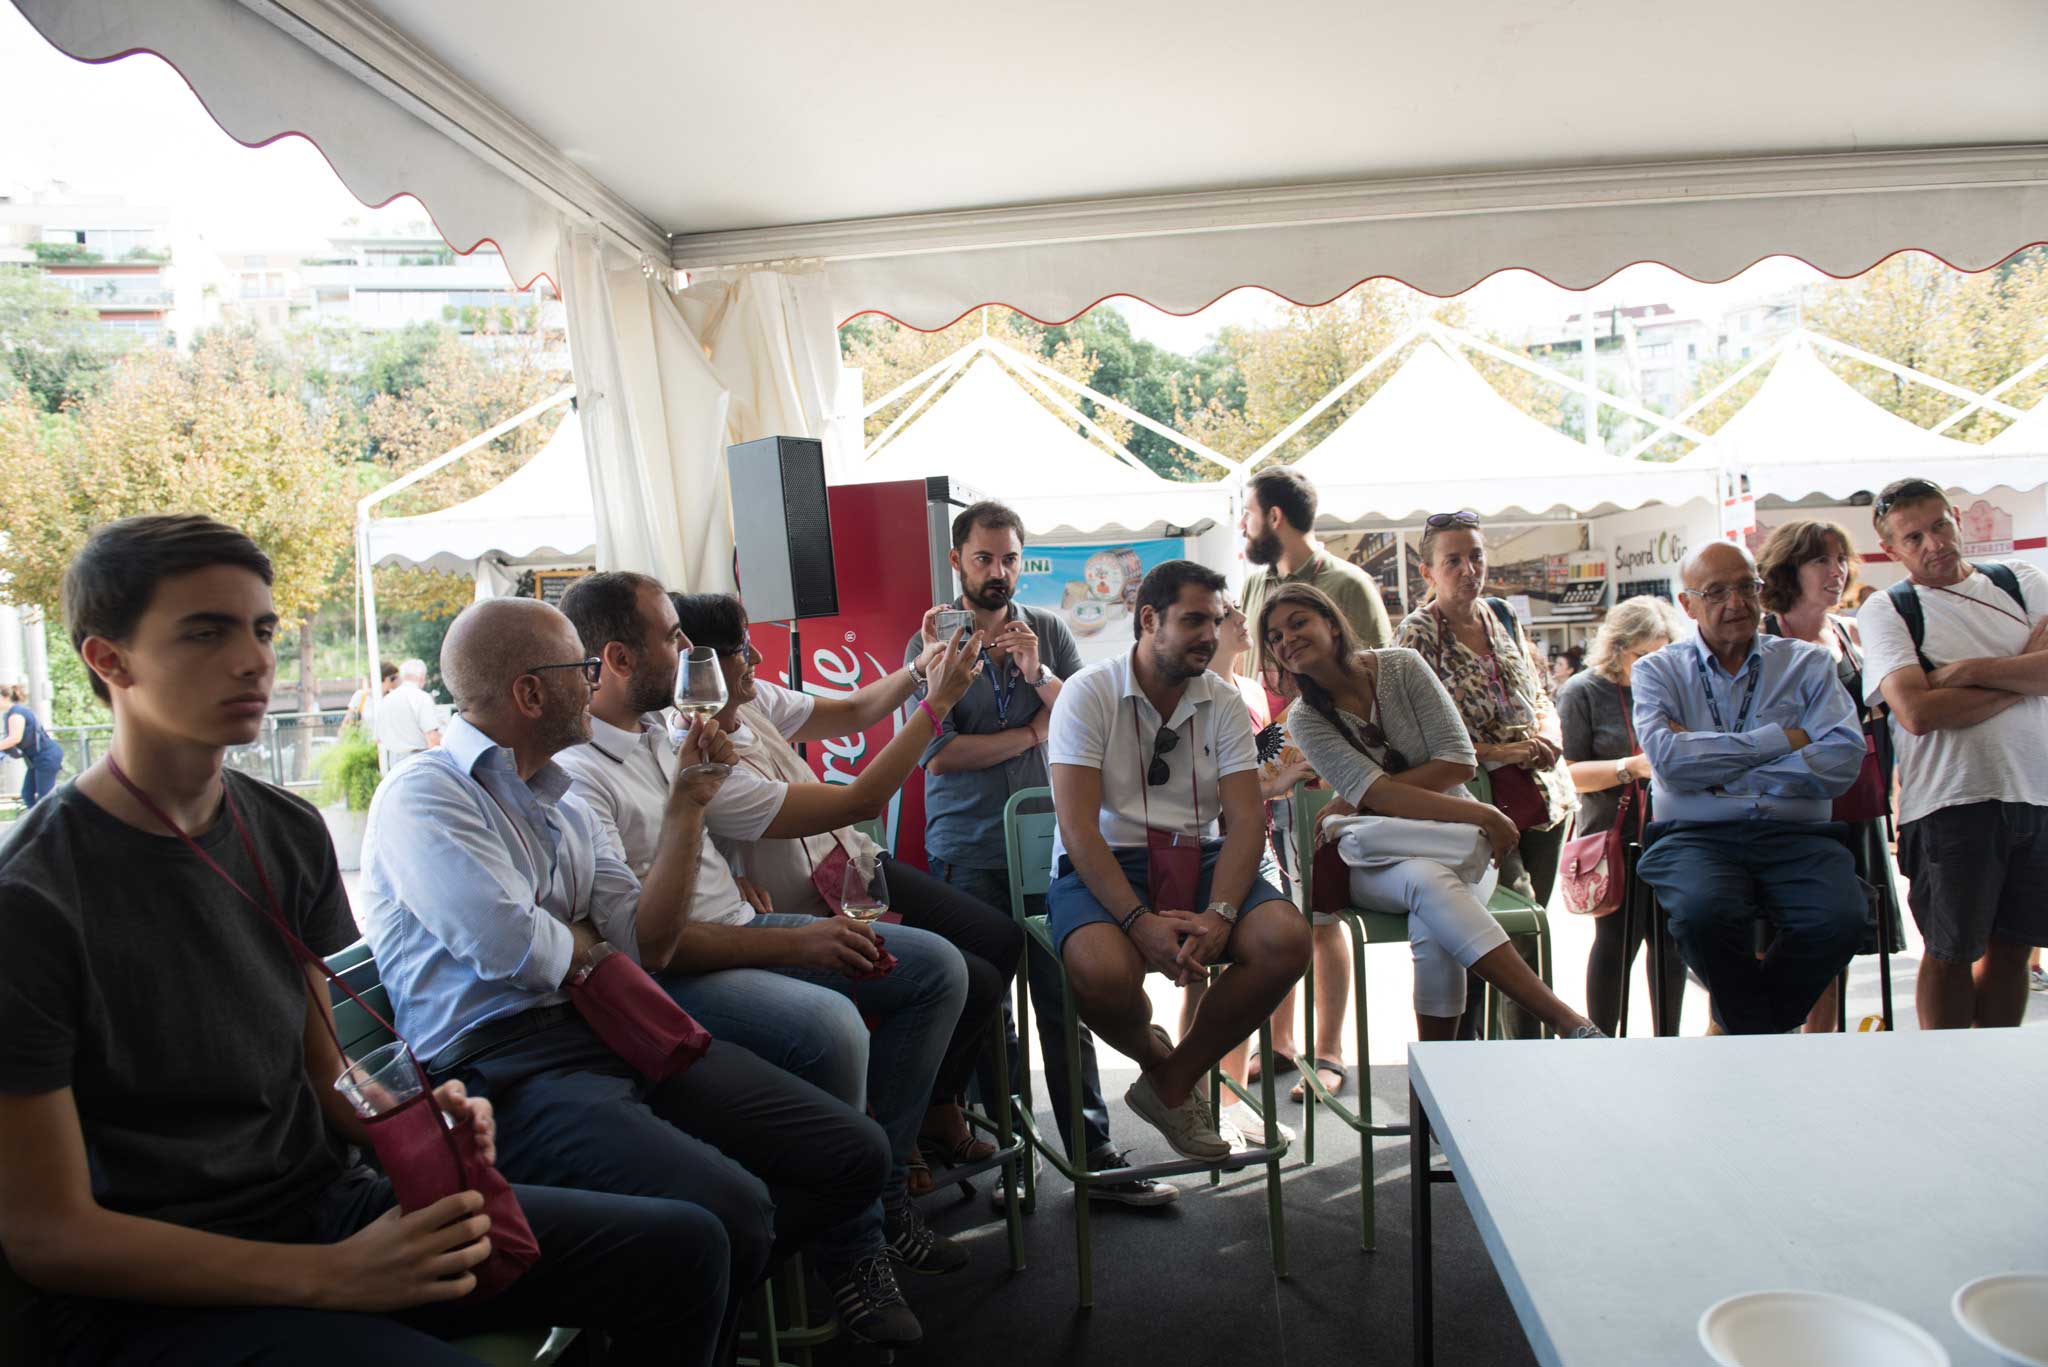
(793, 837)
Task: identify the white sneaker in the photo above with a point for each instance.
(1189, 1128)
(1242, 1129)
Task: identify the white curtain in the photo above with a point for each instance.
(771, 337)
(654, 416)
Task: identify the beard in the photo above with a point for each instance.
(566, 722)
(991, 595)
(1179, 665)
(1263, 549)
(648, 692)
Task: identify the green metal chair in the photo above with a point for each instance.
(1517, 915)
(1028, 828)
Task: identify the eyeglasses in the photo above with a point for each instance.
(726, 652)
(1752, 589)
(593, 669)
(1438, 521)
(1912, 491)
(1162, 746)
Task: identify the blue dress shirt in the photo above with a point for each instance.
(1743, 768)
(472, 877)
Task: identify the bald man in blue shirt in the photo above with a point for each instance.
(1750, 739)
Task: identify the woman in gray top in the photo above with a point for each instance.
(1380, 730)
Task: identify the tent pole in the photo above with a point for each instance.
(367, 573)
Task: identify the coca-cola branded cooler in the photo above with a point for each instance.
(889, 545)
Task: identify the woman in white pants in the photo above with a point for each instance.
(1380, 730)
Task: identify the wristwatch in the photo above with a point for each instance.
(599, 952)
(1044, 676)
(1621, 773)
(1225, 910)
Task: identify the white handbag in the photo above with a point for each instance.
(1372, 842)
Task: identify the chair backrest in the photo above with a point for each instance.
(876, 830)
(1480, 785)
(357, 967)
(1029, 825)
(1308, 804)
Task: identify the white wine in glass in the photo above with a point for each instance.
(864, 897)
(700, 695)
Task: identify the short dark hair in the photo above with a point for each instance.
(111, 582)
(1289, 490)
(387, 669)
(717, 620)
(1161, 589)
(605, 608)
(990, 514)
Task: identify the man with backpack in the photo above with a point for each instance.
(1959, 652)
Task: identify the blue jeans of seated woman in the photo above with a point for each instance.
(914, 1009)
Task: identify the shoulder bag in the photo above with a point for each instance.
(1590, 873)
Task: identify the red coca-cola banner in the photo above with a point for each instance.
(882, 556)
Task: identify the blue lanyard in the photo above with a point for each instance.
(1002, 695)
(1707, 681)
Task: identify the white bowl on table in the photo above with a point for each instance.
(2008, 1314)
(1813, 1329)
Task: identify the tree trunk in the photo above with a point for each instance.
(309, 698)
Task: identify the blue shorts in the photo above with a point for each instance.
(1069, 905)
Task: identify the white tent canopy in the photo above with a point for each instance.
(1437, 435)
(539, 512)
(987, 433)
(1806, 433)
(2029, 435)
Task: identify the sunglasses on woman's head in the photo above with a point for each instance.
(1463, 518)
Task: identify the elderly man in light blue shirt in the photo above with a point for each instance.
(1750, 739)
(487, 885)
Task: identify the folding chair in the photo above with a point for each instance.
(1517, 916)
(1028, 827)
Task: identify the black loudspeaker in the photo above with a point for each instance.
(782, 528)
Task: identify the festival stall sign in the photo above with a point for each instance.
(1094, 589)
(1646, 564)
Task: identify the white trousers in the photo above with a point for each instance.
(1449, 926)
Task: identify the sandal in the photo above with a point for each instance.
(936, 1154)
(1255, 1066)
(1322, 1065)
(917, 1180)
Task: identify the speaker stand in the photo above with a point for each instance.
(796, 672)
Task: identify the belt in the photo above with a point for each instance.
(481, 1039)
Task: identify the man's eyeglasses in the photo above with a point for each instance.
(1162, 746)
(1437, 522)
(593, 669)
(1752, 589)
(1912, 491)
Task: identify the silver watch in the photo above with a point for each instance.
(1621, 773)
(1225, 910)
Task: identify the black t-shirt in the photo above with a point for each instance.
(131, 973)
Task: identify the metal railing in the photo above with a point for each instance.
(287, 752)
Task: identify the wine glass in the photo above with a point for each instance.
(864, 897)
(700, 696)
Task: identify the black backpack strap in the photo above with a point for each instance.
(1506, 613)
(2003, 575)
(1906, 601)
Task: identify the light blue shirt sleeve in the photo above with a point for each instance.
(447, 865)
(1834, 751)
(1698, 759)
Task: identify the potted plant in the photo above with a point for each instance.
(348, 779)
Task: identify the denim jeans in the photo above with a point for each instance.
(1043, 974)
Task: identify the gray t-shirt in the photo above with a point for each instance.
(1418, 716)
(1591, 710)
(963, 810)
(172, 1008)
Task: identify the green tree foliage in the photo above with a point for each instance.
(50, 342)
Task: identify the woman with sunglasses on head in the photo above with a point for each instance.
(1382, 731)
(1476, 648)
(1808, 569)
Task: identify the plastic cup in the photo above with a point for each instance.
(380, 1081)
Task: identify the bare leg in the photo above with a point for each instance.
(1945, 995)
(1234, 1063)
(1333, 990)
(1434, 1028)
(1505, 969)
(1283, 1020)
(2000, 979)
(1821, 1020)
(1269, 951)
(1107, 976)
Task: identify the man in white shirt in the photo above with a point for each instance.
(1969, 703)
(407, 720)
(1147, 750)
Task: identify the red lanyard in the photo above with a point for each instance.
(274, 909)
(2002, 612)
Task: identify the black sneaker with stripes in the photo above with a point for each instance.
(918, 1246)
(871, 1306)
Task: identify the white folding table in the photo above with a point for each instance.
(1624, 1186)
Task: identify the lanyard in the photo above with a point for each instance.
(2001, 611)
(1002, 695)
(1741, 718)
(1144, 788)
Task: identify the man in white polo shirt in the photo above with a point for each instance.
(407, 720)
(1960, 654)
(1147, 750)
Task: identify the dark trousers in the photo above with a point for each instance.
(1042, 973)
(1715, 879)
(988, 939)
(41, 777)
(650, 1273)
(1530, 869)
(776, 1160)
(1613, 957)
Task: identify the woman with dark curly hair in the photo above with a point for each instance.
(1808, 567)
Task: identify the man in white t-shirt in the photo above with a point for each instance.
(1147, 751)
(407, 720)
(1969, 706)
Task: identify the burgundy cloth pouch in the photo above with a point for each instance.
(1329, 880)
(1866, 799)
(1173, 870)
(639, 1022)
(1516, 794)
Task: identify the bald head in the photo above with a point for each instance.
(1722, 561)
(494, 642)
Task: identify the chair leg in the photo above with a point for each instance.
(764, 1309)
(1543, 965)
(1006, 1135)
(1023, 1081)
(1084, 1252)
(1308, 1032)
(1276, 1217)
(1367, 1190)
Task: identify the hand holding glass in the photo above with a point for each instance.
(864, 897)
(700, 695)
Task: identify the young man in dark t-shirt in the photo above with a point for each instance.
(179, 1179)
